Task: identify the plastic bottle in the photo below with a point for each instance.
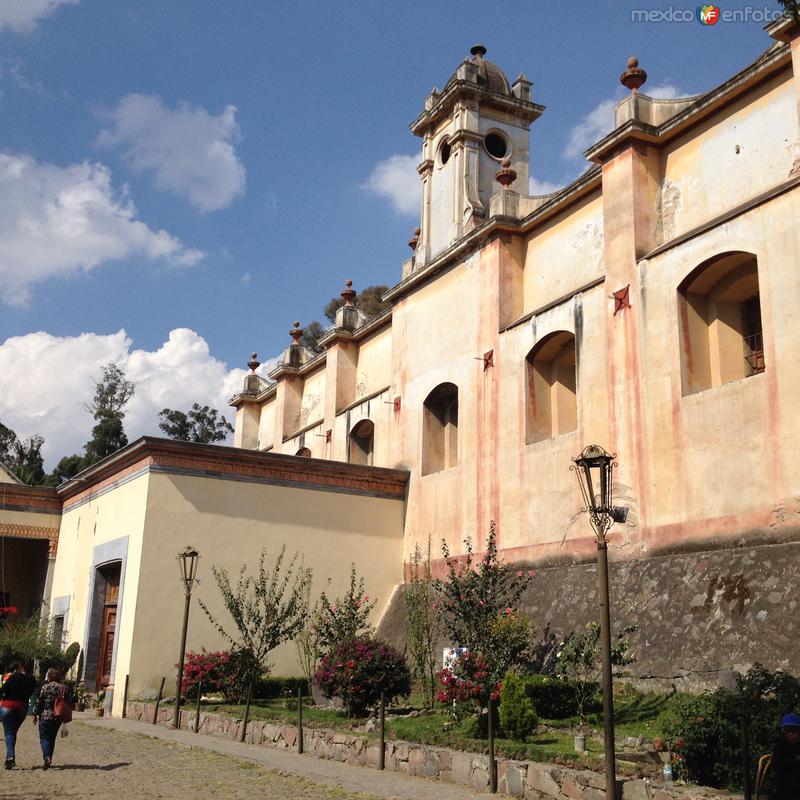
(667, 771)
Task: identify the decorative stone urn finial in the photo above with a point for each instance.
(634, 76)
(296, 332)
(414, 240)
(348, 293)
(254, 363)
(505, 176)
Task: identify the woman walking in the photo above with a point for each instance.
(45, 714)
(15, 695)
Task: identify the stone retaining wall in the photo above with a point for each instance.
(531, 780)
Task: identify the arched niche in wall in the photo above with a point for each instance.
(440, 429)
(719, 314)
(362, 442)
(551, 388)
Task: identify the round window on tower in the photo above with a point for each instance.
(496, 145)
(444, 152)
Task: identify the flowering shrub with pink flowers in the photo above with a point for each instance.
(477, 606)
(468, 680)
(358, 670)
(219, 671)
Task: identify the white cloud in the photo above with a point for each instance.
(22, 15)
(596, 124)
(189, 151)
(600, 121)
(46, 379)
(396, 178)
(537, 187)
(61, 220)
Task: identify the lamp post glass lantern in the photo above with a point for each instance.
(594, 468)
(187, 561)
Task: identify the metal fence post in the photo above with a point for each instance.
(299, 719)
(492, 762)
(382, 729)
(125, 698)
(197, 713)
(158, 700)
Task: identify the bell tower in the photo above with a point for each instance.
(467, 130)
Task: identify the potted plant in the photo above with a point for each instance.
(97, 703)
(80, 696)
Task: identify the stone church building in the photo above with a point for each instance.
(647, 307)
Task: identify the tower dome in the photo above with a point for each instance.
(488, 75)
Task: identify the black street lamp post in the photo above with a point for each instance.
(594, 468)
(187, 559)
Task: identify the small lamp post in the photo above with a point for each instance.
(187, 560)
(594, 468)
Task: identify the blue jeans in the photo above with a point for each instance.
(12, 718)
(48, 730)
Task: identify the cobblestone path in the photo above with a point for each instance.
(96, 762)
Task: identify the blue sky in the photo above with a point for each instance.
(218, 170)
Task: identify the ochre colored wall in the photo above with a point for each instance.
(229, 522)
(101, 519)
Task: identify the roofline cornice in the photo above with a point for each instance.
(522, 108)
(591, 180)
(784, 29)
(762, 69)
(152, 452)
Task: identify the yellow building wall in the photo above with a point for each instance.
(564, 254)
(109, 516)
(745, 149)
(266, 425)
(229, 522)
(374, 369)
(312, 405)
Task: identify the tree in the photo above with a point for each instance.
(267, 609)
(68, 467)
(22, 456)
(368, 301)
(420, 623)
(579, 662)
(7, 439)
(312, 333)
(477, 611)
(111, 394)
(344, 617)
(791, 7)
(200, 424)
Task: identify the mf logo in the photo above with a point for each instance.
(708, 14)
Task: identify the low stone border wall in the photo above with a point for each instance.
(528, 779)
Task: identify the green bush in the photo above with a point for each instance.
(269, 687)
(705, 729)
(517, 712)
(553, 698)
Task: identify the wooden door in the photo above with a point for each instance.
(109, 624)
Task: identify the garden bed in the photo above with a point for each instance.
(535, 781)
(639, 721)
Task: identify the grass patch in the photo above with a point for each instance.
(637, 714)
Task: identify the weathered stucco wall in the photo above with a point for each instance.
(374, 368)
(564, 254)
(701, 614)
(97, 527)
(229, 522)
(745, 149)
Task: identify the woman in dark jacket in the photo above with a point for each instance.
(45, 714)
(15, 694)
(786, 760)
